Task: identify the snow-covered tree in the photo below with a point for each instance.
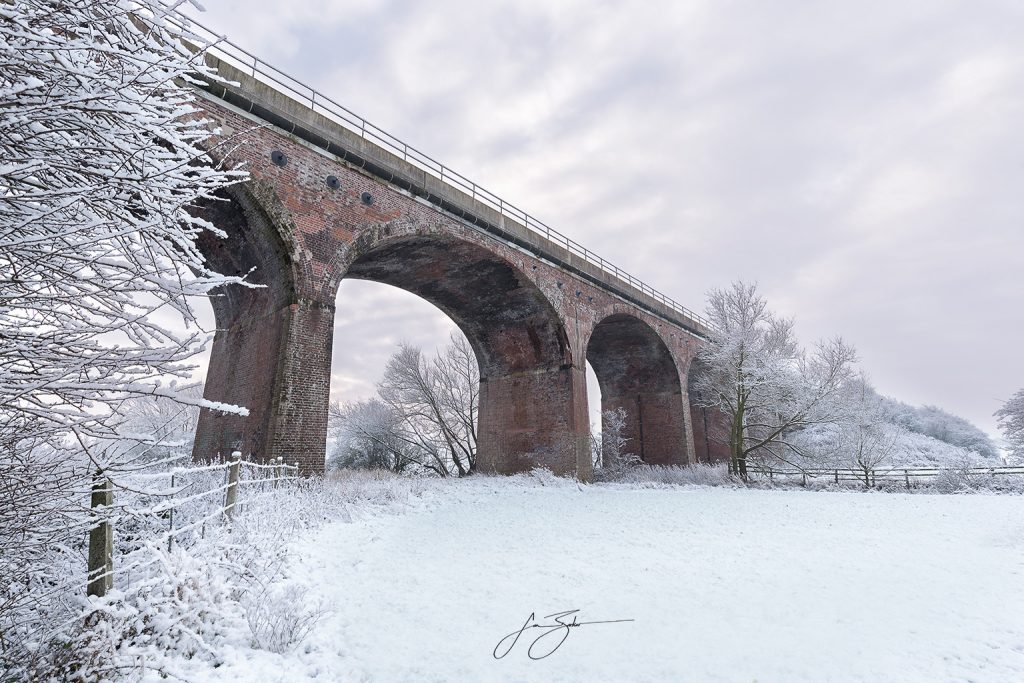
(103, 154)
(1011, 421)
(370, 435)
(614, 454)
(438, 401)
(457, 377)
(865, 439)
(766, 386)
(424, 415)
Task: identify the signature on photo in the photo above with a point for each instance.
(552, 634)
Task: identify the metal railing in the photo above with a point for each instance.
(240, 58)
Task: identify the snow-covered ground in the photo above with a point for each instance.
(721, 585)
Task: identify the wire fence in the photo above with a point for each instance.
(175, 506)
(909, 477)
(246, 62)
(125, 527)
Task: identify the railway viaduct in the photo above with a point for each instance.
(331, 197)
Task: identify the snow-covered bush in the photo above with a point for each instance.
(954, 478)
(281, 619)
(177, 608)
(545, 477)
(369, 487)
(217, 580)
(997, 483)
(691, 475)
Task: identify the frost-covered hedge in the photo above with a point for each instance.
(692, 475)
(172, 602)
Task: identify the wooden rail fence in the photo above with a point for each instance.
(908, 476)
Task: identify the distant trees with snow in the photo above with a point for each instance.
(768, 388)
(423, 417)
(369, 435)
(165, 425)
(1011, 421)
(878, 432)
(940, 425)
(610, 448)
(786, 405)
(861, 438)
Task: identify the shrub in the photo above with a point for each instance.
(690, 475)
(281, 620)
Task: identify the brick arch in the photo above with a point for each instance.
(638, 372)
(334, 196)
(255, 245)
(509, 321)
(250, 321)
(530, 413)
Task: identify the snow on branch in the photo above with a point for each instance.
(105, 158)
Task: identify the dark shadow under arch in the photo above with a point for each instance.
(710, 426)
(636, 372)
(506, 318)
(252, 248)
(250, 323)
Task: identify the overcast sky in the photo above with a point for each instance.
(862, 161)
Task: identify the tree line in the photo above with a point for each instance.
(787, 405)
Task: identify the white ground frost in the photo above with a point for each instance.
(722, 585)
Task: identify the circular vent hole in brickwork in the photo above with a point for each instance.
(278, 158)
(333, 182)
(367, 198)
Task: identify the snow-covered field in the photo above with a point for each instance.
(721, 585)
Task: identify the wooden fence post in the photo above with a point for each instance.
(170, 532)
(231, 494)
(906, 477)
(101, 538)
(278, 469)
(837, 476)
